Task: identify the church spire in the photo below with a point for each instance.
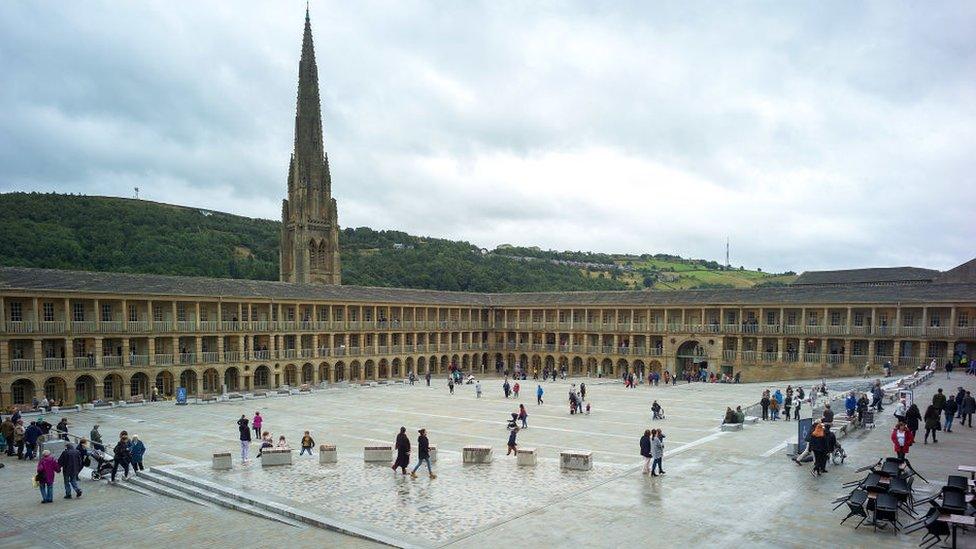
(309, 220)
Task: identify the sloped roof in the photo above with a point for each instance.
(50, 280)
(879, 275)
(965, 273)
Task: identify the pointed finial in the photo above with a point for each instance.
(306, 10)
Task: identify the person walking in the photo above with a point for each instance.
(257, 424)
(7, 430)
(47, 467)
(657, 452)
(477, 389)
(817, 442)
(450, 385)
(245, 436)
(645, 451)
(931, 423)
(969, 408)
(862, 407)
(423, 455)
(656, 411)
(137, 449)
(121, 456)
(515, 389)
(538, 394)
(402, 447)
(96, 438)
(523, 416)
(62, 429)
(939, 400)
(912, 417)
(512, 446)
(19, 438)
(582, 391)
(878, 395)
(788, 405)
(773, 409)
(901, 409)
(949, 410)
(764, 404)
(427, 378)
(506, 388)
(960, 396)
(71, 462)
(307, 444)
(31, 434)
(902, 439)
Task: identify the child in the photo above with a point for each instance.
(515, 389)
(281, 442)
(265, 442)
(587, 408)
(307, 444)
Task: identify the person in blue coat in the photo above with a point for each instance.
(31, 434)
(850, 404)
(137, 449)
(538, 394)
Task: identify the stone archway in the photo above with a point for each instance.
(577, 368)
(139, 385)
(410, 366)
(211, 381)
(622, 367)
(291, 375)
(607, 368)
(262, 377)
(308, 374)
(113, 387)
(384, 369)
(369, 369)
(421, 366)
(355, 371)
(84, 389)
(188, 380)
(655, 366)
(22, 391)
(397, 372)
(339, 372)
(324, 370)
(55, 389)
(690, 354)
(164, 383)
(592, 366)
(232, 379)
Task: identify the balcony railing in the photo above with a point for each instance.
(22, 365)
(84, 362)
(140, 326)
(51, 327)
(187, 358)
(770, 356)
(20, 327)
(139, 360)
(163, 359)
(110, 327)
(111, 361)
(53, 364)
(83, 326)
(210, 356)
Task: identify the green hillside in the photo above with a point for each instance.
(124, 235)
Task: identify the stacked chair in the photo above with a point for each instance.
(886, 490)
(949, 500)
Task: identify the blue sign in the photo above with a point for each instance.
(181, 395)
(803, 428)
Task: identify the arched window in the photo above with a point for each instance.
(323, 254)
(313, 260)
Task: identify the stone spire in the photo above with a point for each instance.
(309, 233)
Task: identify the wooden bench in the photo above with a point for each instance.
(373, 454)
(222, 461)
(579, 460)
(328, 454)
(476, 454)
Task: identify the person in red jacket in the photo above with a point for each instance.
(902, 438)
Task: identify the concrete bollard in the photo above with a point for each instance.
(525, 456)
(476, 454)
(328, 454)
(222, 461)
(374, 454)
(579, 460)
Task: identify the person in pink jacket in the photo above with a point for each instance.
(256, 424)
(46, 469)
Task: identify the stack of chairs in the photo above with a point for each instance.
(885, 490)
(949, 500)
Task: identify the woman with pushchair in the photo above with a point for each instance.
(657, 412)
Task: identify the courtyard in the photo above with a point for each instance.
(722, 488)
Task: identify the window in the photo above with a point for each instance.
(48, 312)
(181, 312)
(290, 313)
(813, 319)
(935, 320)
(835, 318)
(78, 312)
(791, 319)
(909, 319)
(859, 319)
(883, 319)
(963, 320)
(133, 314)
(16, 312)
(106, 312)
(730, 317)
(203, 314)
(157, 313)
(770, 318)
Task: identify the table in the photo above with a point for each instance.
(971, 469)
(955, 521)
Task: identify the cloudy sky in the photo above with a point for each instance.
(814, 135)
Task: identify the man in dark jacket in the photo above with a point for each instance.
(949, 410)
(31, 434)
(645, 450)
(7, 429)
(969, 408)
(423, 455)
(939, 400)
(960, 395)
(71, 464)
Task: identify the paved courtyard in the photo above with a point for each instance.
(722, 489)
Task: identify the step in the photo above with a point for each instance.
(203, 496)
(126, 485)
(146, 484)
(282, 510)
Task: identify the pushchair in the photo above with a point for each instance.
(512, 422)
(103, 464)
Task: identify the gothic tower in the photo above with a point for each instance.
(309, 220)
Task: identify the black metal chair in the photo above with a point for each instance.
(855, 506)
(958, 481)
(886, 510)
(902, 491)
(935, 530)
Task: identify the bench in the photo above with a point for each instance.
(275, 456)
(476, 454)
(525, 456)
(751, 420)
(235, 396)
(222, 461)
(731, 427)
(328, 454)
(579, 460)
(257, 394)
(373, 454)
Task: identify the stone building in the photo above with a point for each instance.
(82, 336)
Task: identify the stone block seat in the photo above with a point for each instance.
(751, 420)
(525, 456)
(374, 454)
(731, 427)
(476, 454)
(328, 454)
(222, 461)
(275, 456)
(579, 460)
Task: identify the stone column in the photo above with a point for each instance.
(69, 354)
(125, 359)
(98, 317)
(780, 349)
(98, 352)
(151, 350)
